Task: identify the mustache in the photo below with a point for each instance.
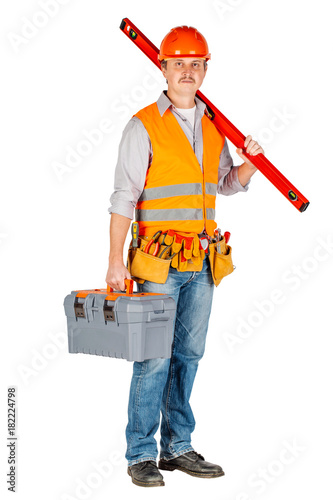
(187, 78)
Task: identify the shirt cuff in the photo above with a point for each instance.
(122, 208)
(238, 185)
(229, 184)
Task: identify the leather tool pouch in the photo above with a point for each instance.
(220, 263)
(144, 266)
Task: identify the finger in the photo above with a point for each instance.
(115, 285)
(250, 145)
(240, 153)
(259, 150)
(252, 150)
(247, 140)
(121, 285)
(255, 148)
(108, 281)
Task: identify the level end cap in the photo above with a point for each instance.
(304, 206)
(123, 24)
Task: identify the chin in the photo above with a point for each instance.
(188, 88)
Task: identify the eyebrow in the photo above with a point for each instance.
(195, 60)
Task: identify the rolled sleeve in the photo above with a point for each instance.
(134, 156)
(228, 181)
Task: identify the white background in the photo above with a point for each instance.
(270, 387)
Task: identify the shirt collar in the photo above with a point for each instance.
(164, 103)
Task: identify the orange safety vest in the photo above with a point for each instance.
(177, 194)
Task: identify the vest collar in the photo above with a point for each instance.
(164, 103)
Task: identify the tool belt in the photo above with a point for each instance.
(183, 251)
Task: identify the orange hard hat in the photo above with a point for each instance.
(184, 41)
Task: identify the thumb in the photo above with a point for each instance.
(240, 153)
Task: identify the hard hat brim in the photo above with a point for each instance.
(165, 57)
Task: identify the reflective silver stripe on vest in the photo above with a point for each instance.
(169, 191)
(211, 188)
(172, 214)
(210, 213)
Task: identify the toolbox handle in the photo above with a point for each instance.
(129, 287)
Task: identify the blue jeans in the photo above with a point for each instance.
(165, 385)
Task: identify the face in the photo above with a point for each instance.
(185, 75)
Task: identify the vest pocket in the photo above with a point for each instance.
(145, 266)
(221, 263)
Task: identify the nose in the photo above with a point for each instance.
(187, 70)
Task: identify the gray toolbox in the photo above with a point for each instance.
(133, 326)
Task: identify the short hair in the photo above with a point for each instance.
(164, 63)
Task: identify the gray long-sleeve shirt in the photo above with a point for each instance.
(135, 156)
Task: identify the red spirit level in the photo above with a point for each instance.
(224, 125)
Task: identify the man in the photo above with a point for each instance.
(172, 161)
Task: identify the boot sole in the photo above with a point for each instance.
(145, 484)
(163, 466)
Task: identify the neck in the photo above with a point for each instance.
(181, 101)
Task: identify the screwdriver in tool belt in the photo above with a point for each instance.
(217, 234)
(226, 237)
(135, 233)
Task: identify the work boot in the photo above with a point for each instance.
(192, 463)
(145, 474)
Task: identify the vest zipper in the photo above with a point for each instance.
(204, 196)
(203, 183)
